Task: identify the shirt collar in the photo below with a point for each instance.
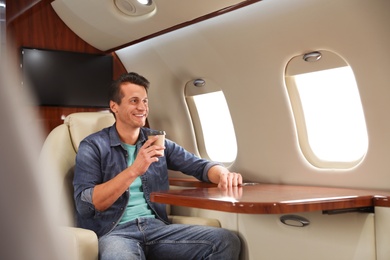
(115, 140)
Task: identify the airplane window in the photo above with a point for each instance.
(328, 112)
(212, 123)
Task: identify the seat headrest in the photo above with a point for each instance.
(85, 123)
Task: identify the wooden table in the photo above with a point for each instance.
(273, 199)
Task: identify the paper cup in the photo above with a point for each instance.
(161, 137)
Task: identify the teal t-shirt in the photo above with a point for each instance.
(137, 205)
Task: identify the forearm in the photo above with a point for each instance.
(105, 194)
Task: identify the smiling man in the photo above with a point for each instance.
(116, 170)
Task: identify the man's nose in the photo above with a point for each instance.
(142, 106)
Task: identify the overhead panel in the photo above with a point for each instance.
(105, 25)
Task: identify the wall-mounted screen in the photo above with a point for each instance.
(61, 78)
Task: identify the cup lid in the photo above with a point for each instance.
(156, 132)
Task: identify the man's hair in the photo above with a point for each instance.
(115, 93)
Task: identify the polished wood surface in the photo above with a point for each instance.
(382, 201)
(273, 199)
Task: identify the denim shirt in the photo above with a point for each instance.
(101, 157)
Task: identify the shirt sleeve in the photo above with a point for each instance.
(179, 159)
(87, 174)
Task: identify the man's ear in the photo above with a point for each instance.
(113, 107)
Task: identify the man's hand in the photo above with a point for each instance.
(229, 179)
(147, 155)
(223, 177)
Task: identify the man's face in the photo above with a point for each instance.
(133, 110)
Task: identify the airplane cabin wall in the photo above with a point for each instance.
(245, 52)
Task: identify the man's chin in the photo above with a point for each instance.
(142, 123)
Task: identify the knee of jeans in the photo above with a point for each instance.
(231, 240)
(120, 248)
(124, 254)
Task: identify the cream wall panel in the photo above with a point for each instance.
(245, 52)
(382, 231)
(348, 236)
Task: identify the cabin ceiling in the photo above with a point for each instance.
(105, 27)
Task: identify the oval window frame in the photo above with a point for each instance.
(299, 66)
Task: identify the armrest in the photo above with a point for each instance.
(79, 243)
(190, 182)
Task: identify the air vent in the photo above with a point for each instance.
(134, 8)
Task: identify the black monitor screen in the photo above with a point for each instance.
(61, 78)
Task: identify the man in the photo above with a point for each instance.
(117, 169)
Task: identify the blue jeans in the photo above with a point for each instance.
(150, 238)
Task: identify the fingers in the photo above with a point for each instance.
(230, 179)
(230, 184)
(154, 151)
(150, 141)
(237, 180)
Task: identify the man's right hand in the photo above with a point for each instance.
(147, 155)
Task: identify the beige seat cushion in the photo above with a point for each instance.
(83, 124)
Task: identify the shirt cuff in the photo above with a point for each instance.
(86, 195)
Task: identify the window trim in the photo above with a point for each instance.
(298, 66)
(190, 92)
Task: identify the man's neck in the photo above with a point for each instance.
(128, 135)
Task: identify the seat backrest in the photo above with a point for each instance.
(81, 125)
(59, 152)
